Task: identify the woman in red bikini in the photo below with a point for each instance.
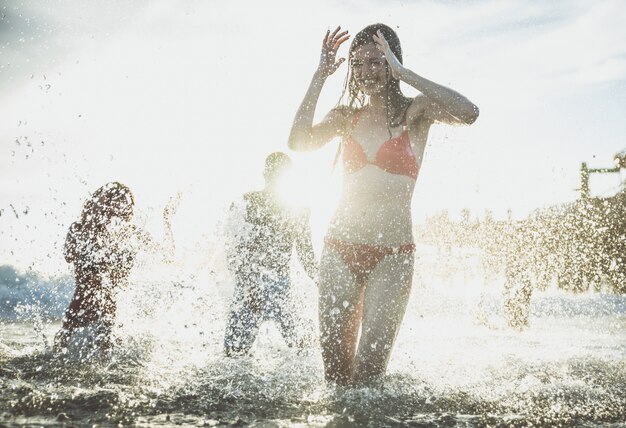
(367, 262)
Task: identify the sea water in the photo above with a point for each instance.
(455, 362)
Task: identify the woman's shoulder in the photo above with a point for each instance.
(345, 110)
(342, 115)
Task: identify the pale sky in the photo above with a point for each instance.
(191, 96)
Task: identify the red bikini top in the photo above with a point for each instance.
(394, 156)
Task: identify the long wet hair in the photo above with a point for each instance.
(106, 202)
(397, 103)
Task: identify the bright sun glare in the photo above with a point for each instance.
(312, 183)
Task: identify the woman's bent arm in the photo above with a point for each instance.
(303, 135)
(447, 105)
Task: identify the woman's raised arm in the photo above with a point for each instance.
(304, 135)
(442, 104)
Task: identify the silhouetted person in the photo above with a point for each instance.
(260, 261)
(101, 246)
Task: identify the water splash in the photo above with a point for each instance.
(456, 361)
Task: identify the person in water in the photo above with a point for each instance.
(367, 262)
(101, 246)
(260, 261)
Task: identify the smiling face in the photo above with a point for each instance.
(369, 69)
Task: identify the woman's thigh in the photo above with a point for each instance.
(386, 297)
(339, 291)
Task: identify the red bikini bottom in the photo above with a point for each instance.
(361, 259)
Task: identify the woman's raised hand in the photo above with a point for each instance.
(328, 59)
(383, 46)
